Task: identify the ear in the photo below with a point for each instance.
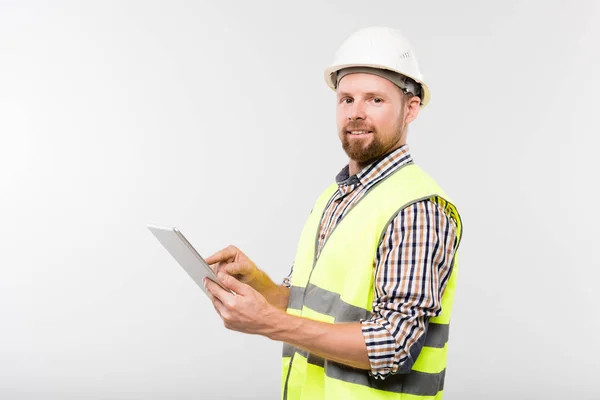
(412, 107)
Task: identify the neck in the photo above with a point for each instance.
(354, 167)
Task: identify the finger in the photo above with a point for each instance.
(231, 283)
(210, 296)
(207, 289)
(219, 307)
(235, 269)
(216, 290)
(218, 304)
(217, 267)
(227, 253)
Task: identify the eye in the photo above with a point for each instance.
(346, 100)
(377, 100)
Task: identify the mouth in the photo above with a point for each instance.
(359, 133)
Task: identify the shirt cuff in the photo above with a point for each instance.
(381, 348)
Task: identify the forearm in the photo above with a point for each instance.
(277, 295)
(343, 343)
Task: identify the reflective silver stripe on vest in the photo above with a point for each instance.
(295, 299)
(326, 302)
(415, 382)
(437, 335)
(329, 303)
(289, 350)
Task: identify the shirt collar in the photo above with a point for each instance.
(377, 170)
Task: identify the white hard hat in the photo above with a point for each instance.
(378, 47)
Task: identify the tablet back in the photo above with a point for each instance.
(185, 254)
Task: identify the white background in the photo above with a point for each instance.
(214, 117)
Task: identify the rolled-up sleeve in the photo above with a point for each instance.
(414, 262)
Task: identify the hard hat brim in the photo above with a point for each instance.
(330, 78)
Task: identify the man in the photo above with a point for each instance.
(365, 313)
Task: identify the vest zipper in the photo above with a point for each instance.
(315, 256)
(287, 378)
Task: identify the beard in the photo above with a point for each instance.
(367, 149)
(364, 150)
(361, 150)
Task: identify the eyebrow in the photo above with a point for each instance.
(344, 94)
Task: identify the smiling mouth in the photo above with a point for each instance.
(358, 133)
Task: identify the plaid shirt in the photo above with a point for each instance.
(413, 265)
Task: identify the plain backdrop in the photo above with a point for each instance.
(214, 117)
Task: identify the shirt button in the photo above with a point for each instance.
(322, 236)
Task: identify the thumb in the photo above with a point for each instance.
(235, 269)
(231, 283)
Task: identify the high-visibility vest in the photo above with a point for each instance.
(338, 287)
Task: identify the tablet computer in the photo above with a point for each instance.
(185, 254)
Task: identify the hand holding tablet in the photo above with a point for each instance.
(185, 254)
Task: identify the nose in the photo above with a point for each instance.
(356, 111)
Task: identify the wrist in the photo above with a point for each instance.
(261, 282)
(279, 323)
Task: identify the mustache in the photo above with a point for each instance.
(358, 127)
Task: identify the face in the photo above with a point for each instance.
(372, 116)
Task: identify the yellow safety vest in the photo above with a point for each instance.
(338, 287)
